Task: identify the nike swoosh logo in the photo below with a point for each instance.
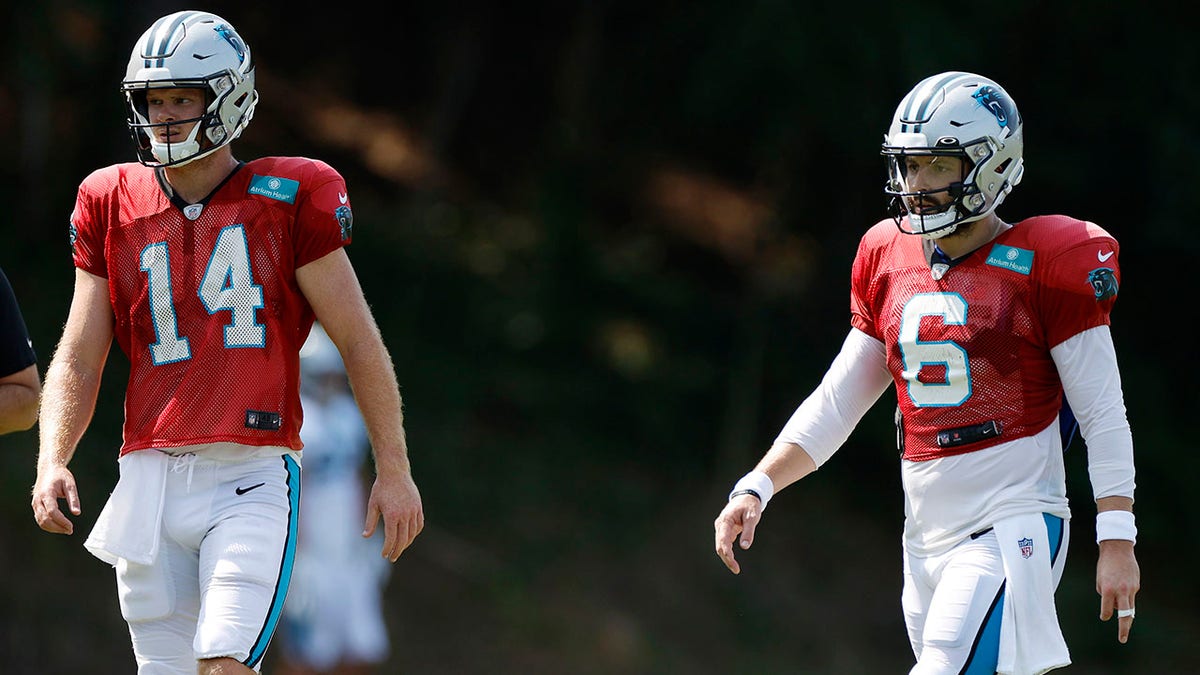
(1104, 256)
(201, 57)
(342, 197)
(242, 490)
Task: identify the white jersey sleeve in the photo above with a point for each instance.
(855, 380)
(1087, 366)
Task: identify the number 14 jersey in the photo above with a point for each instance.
(205, 298)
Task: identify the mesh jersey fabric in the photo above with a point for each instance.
(973, 346)
(208, 310)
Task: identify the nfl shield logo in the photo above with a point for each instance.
(1026, 546)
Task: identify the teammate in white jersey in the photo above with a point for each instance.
(333, 622)
(985, 329)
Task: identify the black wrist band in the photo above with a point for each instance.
(746, 492)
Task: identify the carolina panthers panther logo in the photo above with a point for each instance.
(994, 100)
(234, 41)
(1104, 283)
(346, 220)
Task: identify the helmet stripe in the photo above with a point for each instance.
(923, 97)
(162, 35)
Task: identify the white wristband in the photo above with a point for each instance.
(1115, 525)
(757, 483)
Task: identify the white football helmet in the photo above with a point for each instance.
(959, 115)
(190, 49)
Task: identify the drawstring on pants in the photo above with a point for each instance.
(185, 461)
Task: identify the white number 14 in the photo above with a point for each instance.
(228, 284)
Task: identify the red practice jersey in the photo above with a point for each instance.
(970, 351)
(205, 298)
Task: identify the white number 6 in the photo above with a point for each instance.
(916, 353)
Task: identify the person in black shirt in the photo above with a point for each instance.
(20, 386)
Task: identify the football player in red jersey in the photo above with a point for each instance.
(209, 272)
(982, 327)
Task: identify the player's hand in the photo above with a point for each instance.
(394, 497)
(737, 522)
(55, 483)
(1118, 580)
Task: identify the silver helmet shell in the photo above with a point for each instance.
(962, 115)
(190, 49)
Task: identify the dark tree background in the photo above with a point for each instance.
(608, 244)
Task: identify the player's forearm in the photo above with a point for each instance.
(373, 381)
(1114, 504)
(856, 379)
(786, 463)
(68, 403)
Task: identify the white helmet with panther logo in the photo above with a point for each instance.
(190, 49)
(959, 115)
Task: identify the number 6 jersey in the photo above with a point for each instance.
(968, 343)
(205, 298)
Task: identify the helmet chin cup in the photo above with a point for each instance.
(166, 153)
(933, 226)
(180, 152)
